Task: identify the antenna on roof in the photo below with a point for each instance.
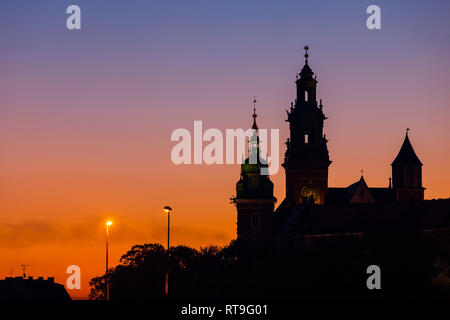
(23, 268)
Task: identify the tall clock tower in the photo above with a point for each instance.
(306, 159)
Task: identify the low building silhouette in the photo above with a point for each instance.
(20, 288)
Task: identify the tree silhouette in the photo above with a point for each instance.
(193, 273)
(323, 268)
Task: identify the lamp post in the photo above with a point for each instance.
(108, 224)
(167, 210)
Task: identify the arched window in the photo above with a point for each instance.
(306, 95)
(309, 194)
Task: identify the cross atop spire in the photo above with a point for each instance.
(407, 129)
(254, 114)
(306, 54)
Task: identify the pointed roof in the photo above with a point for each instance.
(406, 153)
(255, 181)
(352, 188)
(359, 192)
(306, 70)
(254, 161)
(254, 115)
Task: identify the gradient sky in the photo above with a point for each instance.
(86, 116)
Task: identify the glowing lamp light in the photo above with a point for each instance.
(167, 209)
(108, 223)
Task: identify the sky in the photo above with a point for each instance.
(86, 115)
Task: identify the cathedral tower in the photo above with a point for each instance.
(407, 173)
(306, 159)
(254, 194)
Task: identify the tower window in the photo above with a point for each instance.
(306, 138)
(256, 223)
(306, 95)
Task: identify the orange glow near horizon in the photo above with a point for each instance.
(62, 229)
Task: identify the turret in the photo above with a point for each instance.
(407, 173)
(254, 194)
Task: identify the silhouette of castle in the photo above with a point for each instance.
(310, 206)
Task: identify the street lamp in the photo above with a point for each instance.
(108, 224)
(167, 210)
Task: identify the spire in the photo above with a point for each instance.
(306, 54)
(306, 70)
(406, 153)
(253, 150)
(255, 127)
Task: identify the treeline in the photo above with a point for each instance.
(411, 266)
